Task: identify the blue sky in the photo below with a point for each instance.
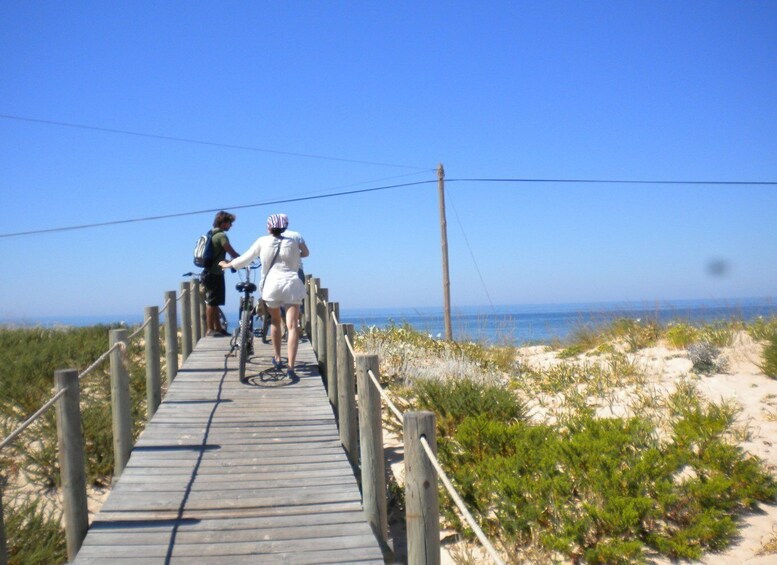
(376, 94)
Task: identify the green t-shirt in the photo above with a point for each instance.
(219, 239)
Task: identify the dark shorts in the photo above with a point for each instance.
(215, 293)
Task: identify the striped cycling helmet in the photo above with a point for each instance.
(277, 222)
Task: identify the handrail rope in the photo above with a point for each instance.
(382, 392)
(167, 303)
(349, 344)
(42, 410)
(134, 334)
(334, 318)
(184, 292)
(101, 358)
(460, 503)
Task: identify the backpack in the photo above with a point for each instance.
(203, 251)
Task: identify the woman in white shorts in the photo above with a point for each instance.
(281, 254)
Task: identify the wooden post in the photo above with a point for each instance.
(195, 305)
(346, 388)
(422, 511)
(186, 321)
(153, 371)
(203, 314)
(71, 460)
(306, 321)
(171, 336)
(323, 299)
(331, 352)
(446, 283)
(3, 544)
(120, 403)
(314, 283)
(372, 458)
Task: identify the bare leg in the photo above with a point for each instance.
(275, 331)
(211, 318)
(292, 325)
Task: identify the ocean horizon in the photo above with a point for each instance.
(505, 324)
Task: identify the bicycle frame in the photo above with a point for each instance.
(243, 339)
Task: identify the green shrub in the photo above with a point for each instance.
(769, 357)
(34, 535)
(762, 328)
(680, 335)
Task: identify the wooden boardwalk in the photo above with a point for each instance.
(236, 473)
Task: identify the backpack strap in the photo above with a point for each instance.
(277, 251)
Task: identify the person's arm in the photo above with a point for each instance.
(244, 259)
(231, 250)
(303, 249)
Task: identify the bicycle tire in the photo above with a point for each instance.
(266, 328)
(245, 343)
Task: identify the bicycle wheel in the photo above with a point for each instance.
(245, 342)
(266, 328)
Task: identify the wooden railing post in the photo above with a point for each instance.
(171, 336)
(3, 544)
(186, 321)
(372, 458)
(196, 330)
(346, 389)
(421, 503)
(314, 313)
(306, 320)
(332, 308)
(153, 370)
(203, 315)
(120, 403)
(323, 299)
(71, 460)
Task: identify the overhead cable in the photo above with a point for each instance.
(209, 143)
(619, 181)
(211, 210)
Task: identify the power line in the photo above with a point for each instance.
(211, 210)
(619, 181)
(208, 143)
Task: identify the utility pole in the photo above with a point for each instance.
(446, 283)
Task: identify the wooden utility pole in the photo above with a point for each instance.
(446, 283)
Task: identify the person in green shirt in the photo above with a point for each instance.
(213, 279)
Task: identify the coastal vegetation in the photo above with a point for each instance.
(566, 452)
(30, 469)
(577, 454)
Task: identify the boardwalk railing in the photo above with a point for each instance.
(333, 344)
(66, 401)
(353, 385)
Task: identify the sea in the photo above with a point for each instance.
(509, 324)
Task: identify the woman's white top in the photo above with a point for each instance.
(281, 282)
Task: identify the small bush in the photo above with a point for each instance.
(706, 358)
(769, 357)
(34, 535)
(762, 328)
(681, 335)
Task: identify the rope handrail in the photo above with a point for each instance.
(385, 397)
(42, 410)
(350, 345)
(459, 502)
(134, 334)
(184, 292)
(165, 307)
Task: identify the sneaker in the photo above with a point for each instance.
(219, 333)
(277, 365)
(291, 374)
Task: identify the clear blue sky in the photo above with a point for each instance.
(543, 90)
